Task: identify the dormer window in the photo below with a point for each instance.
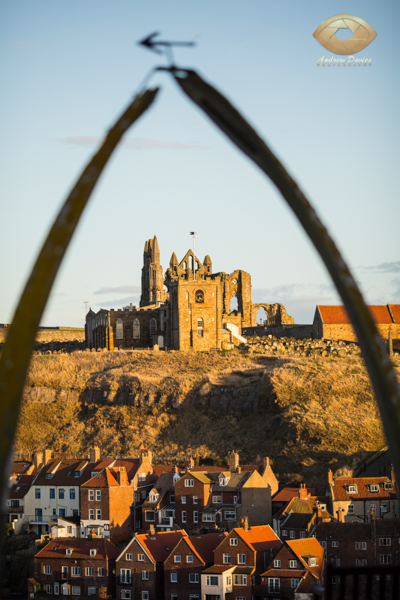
(374, 487)
(48, 475)
(153, 496)
(352, 489)
(77, 473)
(388, 485)
(68, 551)
(223, 481)
(312, 561)
(93, 551)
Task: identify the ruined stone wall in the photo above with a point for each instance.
(52, 335)
(298, 332)
(276, 314)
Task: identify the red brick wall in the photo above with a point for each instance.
(183, 587)
(154, 585)
(241, 548)
(199, 489)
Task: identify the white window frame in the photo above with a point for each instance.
(189, 482)
(91, 495)
(350, 509)
(177, 558)
(145, 575)
(89, 571)
(233, 541)
(385, 541)
(195, 516)
(98, 495)
(239, 579)
(47, 569)
(174, 577)
(226, 559)
(293, 564)
(241, 558)
(189, 558)
(75, 571)
(184, 516)
(194, 576)
(140, 557)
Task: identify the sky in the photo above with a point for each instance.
(68, 69)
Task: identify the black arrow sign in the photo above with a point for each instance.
(151, 44)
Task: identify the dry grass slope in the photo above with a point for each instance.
(313, 413)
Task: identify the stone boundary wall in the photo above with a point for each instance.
(58, 334)
(290, 330)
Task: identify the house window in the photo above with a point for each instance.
(91, 494)
(207, 518)
(240, 579)
(98, 514)
(227, 559)
(119, 330)
(61, 493)
(193, 578)
(294, 582)
(102, 571)
(233, 541)
(143, 495)
(129, 556)
(274, 584)
(189, 558)
(384, 507)
(350, 509)
(76, 590)
(200, 327)
(174, 577)
(72, 494)
(125, 575)
(194, 597)
(145, 595)
(141, 477)
(52, 493)
(184, 516)
(91, 514)
(217, 499)
(230, 515)
(69, 529)
(374, 488)
(293, 564)
(312, 562)
(335, 544)
(37, 493)
(91, 591)
(140, 557)
(98, 495)
(48, 570)
(56, 588)
(385, 542)
(64, 572)
(145, 575)
(352, 489)
(241, 559)
(177, 558)
(61, 512)
(76, 571)
(361, 562)
(277, 563)
(183, 500)
(125, 594)
(136, 329)
(323, 544)
(292, 535)
(284, 532)
(47, 588)
(89, 571)
(385, 559)
(172, 499)
(150, 515)
(234, 499)
(195, 499)
(361, 545)
(302, 534)
(68, 551)
(388, 485)
(212, 580)
(189, 482)
(195, 516)
(93, 551)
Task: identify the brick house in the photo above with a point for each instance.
(159, 507)
(297, 565)
(77, 567)
(245, 552)
(184, 565)
(192, 493)
(333, 323)
(301, 515)
(140, 566)
(357, 497)
(106, 501)
(282, 498)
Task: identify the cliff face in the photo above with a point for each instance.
(306, 414)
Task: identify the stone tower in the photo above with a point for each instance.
(152, 274)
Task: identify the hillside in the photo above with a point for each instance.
(305, 413)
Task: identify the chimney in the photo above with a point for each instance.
(152, 530)
(122, 476)
(330, 476)
(94, 454)
(233, 461)
(238, 469)
(340, 515)
(266, 461)
(176, 469)
(47, 456)
(147, 456)
(37, 459)
(189, 463)
(244, 523)
(303, 491)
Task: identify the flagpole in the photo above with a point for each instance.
(193, 233)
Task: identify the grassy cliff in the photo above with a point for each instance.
(307, 414)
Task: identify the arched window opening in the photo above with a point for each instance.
(199, 296)
(160, 341)
(234, 303)
(185, 265)
(235, 281)
(262, 316)
(200, 327)
(153, 327)
(136, 329)
(197, 265)
(191, 262)
(119, 330)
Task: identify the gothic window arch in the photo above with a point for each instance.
(136, 329)
(153, 327)
(119, 330)
(199, 296)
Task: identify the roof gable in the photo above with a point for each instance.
(335, 315)
(104, 479)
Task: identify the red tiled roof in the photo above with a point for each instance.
(159, 545)
(259, 538)
(131, 466)
(19, 490)
(204, 545)
(395, 310)
(340, 488)
(217, 569)
(19, 467)
(104, 479)
(286, 494)
(64, 475)
(306, 547)
(331, 315)
(80, 549)
(284, 573)
(159, 469)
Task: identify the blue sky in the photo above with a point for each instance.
(69, 68)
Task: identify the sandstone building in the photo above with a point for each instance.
(192, 312)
